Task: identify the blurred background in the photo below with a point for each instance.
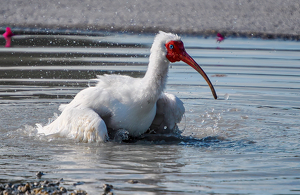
(239, 17)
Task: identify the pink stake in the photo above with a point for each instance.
(220, 38)
(7, 36)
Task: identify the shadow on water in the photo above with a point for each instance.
(213, 142)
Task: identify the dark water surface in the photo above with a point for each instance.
(246, 142)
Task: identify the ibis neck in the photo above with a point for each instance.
(156, 76)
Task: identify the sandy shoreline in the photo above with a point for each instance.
(237, 17)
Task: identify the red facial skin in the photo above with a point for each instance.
(220, 38)
(7, 36)
(176, 52)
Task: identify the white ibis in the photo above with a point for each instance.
(7, 36)
(122, 103)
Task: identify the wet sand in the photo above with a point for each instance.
(269, 18)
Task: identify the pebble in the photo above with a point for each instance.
(107, 188)
(39, 174)
(132, 181)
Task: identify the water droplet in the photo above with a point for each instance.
(226, 96)
(244, 117)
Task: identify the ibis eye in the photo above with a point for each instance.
(171, 46)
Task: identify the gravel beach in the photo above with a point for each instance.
(244, 17)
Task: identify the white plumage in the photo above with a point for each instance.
(122, 102)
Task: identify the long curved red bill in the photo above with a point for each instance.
(185, 57)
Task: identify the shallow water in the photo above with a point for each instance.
(246, 142)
